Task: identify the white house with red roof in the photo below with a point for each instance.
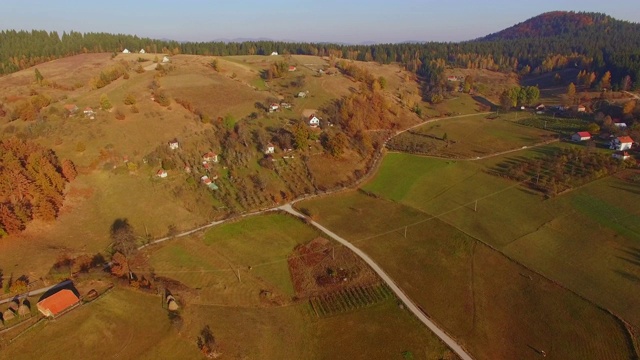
(314, 121)
(174, 144)
(269, 149)
(621, 143)
(292, 68)
(581, 136)
(210, 157)
(274, 107)
(162, 173)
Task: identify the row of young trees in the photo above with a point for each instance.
(565, 169)
(32, 183)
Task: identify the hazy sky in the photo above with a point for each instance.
(351, 21)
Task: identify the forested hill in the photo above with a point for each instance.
(564, 24)
(549, 42)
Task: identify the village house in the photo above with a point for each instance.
(581, 136)
(165, 59)
(71, 108)
(207, 181)
(314, 121)
(292, 68)
(621, 143)
(162, 173)
(88, 112)
(269, 149)
(619, 124)
(621, 155)
(58, 303)
(126, 51)
(142, 51)
(274, 107)
(174, 144)
(302, 94)
(210, 157)
(580, 108)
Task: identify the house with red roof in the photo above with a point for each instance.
(58, 303)
(162, 173)
(292, 68)
(581, 136)
(621, 143)
(210, 157)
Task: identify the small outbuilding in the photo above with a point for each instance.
(581, 136)
(8, 315)
(174, 144)
(269, 148)
(126, 51)
(621, 155)
(165, 59)
(24, 309)
(162, 173)
(142, 51)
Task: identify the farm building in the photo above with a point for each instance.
(71, 108)
(142, 51)
(621, 155)
(581, 136)
(274, 107)
(162, 173)
(174, 144)
(58, 303)
(24, 309)
(8, 314)
(302, 94)
(580, 108)
(275, 53)
(165, 59)
(210, 157)
(314, 121)
(285, 105)
(88, 112)
(621, 143)
(619, 124)
(126, 51)
(269, 148)
(540, 107)
(292, 68)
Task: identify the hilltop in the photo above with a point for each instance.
(562, 23)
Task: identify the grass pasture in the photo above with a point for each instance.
(211, 263)
(595, 224)
(477, 294)
(469, 137)
(563, 126)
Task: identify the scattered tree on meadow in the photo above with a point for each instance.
(105, 103)
(39, 76)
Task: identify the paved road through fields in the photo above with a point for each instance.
(387, 279)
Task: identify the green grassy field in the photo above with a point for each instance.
(595, 225)
(469, 137)
(476, 293)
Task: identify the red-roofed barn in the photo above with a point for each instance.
(58, 303)
(580, 136)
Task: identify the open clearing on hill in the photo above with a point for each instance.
(480, 296)
(469, 137)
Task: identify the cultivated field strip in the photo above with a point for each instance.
(349, 299)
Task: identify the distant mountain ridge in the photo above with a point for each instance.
(561, 23)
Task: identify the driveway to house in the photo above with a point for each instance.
(451, 343)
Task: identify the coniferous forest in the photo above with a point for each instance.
(551, 41)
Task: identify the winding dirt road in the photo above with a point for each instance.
(451, 343)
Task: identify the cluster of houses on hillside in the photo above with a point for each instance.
(208, 159)
(621, 144)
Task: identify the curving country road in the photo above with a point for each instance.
(448, 340)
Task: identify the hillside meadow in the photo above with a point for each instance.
(481, 297)
(245, 322)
